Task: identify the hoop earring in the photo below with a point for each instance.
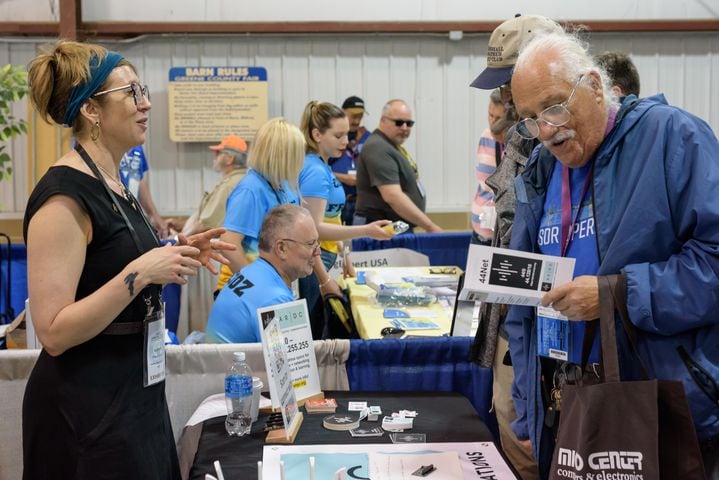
(94, 136)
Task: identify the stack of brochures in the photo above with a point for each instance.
(321, 405)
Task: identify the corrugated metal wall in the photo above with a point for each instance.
(430, 72)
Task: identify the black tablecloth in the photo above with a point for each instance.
(442, 416)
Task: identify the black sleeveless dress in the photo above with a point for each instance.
(86, 414)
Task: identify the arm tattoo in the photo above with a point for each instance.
(130, 282)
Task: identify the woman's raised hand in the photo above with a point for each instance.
(209, 246)
(164, 265)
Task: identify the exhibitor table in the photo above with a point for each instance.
(369, 315)
(442, 416)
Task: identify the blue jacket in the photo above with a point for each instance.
(656, 212)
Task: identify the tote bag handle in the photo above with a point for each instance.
(612, 297)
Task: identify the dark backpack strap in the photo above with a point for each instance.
(340, 321)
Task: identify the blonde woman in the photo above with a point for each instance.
(274, 162)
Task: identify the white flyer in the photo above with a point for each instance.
(277, 365)
(296, 332)
(477, 461)
(500, 275)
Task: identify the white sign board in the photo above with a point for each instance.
(277, 365)
(388, 257)
(296, 336)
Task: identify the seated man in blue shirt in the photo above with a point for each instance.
(289, 245)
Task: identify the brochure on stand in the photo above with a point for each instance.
(500, 275)
(277, 365)
(296, 337)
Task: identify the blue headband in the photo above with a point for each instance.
(99, 71)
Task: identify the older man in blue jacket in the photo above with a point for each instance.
(627, 189)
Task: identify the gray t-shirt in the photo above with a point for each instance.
(382, 163)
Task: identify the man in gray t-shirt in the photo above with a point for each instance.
(388, 185)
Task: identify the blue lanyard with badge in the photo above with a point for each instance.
(554, 334)
(153, 363)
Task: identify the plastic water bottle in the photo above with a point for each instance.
(238, 396)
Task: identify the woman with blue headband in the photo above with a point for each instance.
(95, 404)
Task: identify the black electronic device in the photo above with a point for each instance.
(392, 332)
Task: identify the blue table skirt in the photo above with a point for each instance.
(441, 248)
(18, 286)
(18, 280)
(432, 364)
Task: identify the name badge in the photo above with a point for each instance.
(421, 189)
(133, 184)
(154, 358)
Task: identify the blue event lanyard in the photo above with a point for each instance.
(568, 226)
(567, 191)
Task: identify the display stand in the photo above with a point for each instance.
(286, 436)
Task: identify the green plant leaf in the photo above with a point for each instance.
(13, 87)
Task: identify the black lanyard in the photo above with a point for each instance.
(135, 237)
(277, 196)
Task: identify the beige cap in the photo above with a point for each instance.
(504, 45)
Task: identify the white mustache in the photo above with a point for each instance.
(559, 138)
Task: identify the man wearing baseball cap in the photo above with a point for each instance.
(231, 162)
(490, 345)
(345, 167)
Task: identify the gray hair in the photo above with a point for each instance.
(572, 60)
(496, 97)
(278, 222)
(239, 159)
(388, 106)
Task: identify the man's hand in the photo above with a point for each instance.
(330, 287)
(433, 228)
(576, 300)
(527, 445)
(209, 246)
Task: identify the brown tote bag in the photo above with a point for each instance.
(638, 430)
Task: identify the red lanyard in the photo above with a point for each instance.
(567, 226)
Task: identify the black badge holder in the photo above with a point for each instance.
(151, 330)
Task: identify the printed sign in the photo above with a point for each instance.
(277, 365)
(296, 337)
(207, 103)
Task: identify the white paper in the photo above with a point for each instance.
(397, 466)
(277, 365)
(478, 460)
(421, 313)
(500, 275)
(296, 332)
(155, 350)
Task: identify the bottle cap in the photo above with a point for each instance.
(239, 356)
